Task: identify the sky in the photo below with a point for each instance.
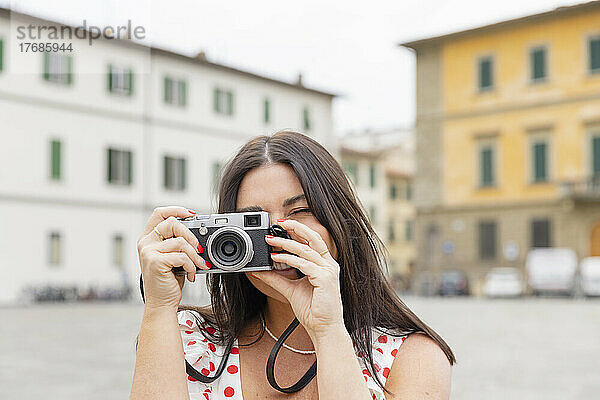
(346, 47)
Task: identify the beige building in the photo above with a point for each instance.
(381, 166)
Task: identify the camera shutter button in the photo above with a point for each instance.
(202, 230)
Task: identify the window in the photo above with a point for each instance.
(486, 166)
(538, 64)
(594, 54)
(306, 122)
(539, 150)
(266, 111)
(391, 232)
(118, 250)
(120, 80)
(408, 191)
(352, 171)
(487, 240)
(596, 156)
(540, 233)
(1, 55)
(119, 167)
(486, 73)
(372, 214)
(409, 230)
(175, 91)
(393, 191)
(54, 248)
(372, 176)
(216, 175)
(174, 173)
(58, 68)
(223, 101)
(55, 163)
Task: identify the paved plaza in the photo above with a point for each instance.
(506, 349)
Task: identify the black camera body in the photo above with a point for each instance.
(233, 242)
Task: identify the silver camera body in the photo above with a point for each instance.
(233, 242)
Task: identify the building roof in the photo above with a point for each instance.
(169, 53)
(512, 23)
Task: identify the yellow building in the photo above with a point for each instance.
(508, 141)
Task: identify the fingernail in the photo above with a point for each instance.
(207, 264)
(255, 277)
(191, 211)
(194, 278)
(274, 254)
(281, 220)
(200, 249)
(269, 236)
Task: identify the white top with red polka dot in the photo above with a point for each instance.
(205, 357)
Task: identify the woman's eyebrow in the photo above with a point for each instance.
(294, 199)
(249, 209)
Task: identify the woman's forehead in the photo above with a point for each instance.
(268, 187)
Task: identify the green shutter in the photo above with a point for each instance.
(217, 100)
(372, 181)
(130, 78)
(182, 93)
(129, 156)
(540, 162)
(1, 55)
(69, 70)
(46, 73)
(267, 111)
(230, 103)
(594, 49)
(306, 119)
(55, 159)
(485, 73)
(538, 63)
(183, 173)
(166, 172)
(596, 155)
(110, 78)
(167, 89)
(487, 167)
(109, 162)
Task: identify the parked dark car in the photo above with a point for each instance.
(453, 283)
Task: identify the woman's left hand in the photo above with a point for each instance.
(316, 298)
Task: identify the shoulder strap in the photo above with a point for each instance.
(306, 378)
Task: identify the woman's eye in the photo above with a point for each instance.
(300, 211)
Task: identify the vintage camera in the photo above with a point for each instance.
(233, 242)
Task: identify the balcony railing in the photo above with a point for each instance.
(588, 189)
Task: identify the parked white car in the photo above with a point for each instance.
(551, 270)
(589, 269)
(503, 282)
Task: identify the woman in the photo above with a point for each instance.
(368, 344)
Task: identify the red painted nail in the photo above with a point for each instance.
(200, 249)
(207, 264)
(256, 277)
(274, 254)
(281, 220)
(270, 236)
(192, 211)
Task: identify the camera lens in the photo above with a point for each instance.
(252, 220)
(230, 248)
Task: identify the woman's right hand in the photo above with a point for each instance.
(157, 256)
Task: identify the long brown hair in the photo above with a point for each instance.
(368, 299)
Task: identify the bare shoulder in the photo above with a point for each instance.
(420, 370)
